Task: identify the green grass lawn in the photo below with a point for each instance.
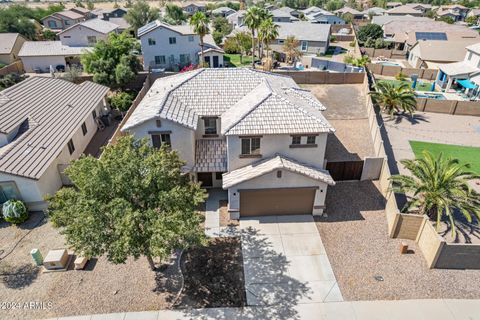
(421, 85)
(234, 60)
(469, 155)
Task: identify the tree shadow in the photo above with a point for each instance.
(346, 200)
(412, 118)
(19, 277)
(168, 278)
(271, 293)
(466, 232)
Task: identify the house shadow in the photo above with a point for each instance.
(270, 292)
(336, 150)
(19, 277)
(348, 199)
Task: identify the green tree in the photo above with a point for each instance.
(16, 19)
(174, 14)
(242, 42)
(333, 5)
(134, 201)
(48, 34)
(437, 187)
(90, 5)
(267, 32)
(121, 101)
(72, 74)
(199, 21)
(79, 4)
(290, 47)
(393, 98)
(111, 62)
(471, 20)
(373, 31)
(447, 19)
(253, 19)
(140, 14)
(221, 28)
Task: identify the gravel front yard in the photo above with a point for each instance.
(355, 237)
(101, 288)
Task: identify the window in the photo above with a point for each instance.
(184, 58)
(66, 22)
(190, 38)
(296, 139)
(159, 139)
(311, 139)
(8, 190)
(280, 41)
(91, 39)
(71, 146)
(84, 128)
(251, 146)
(304, 45)
(279, 173)
(67, 37)
(210, 125)
(52, 24)
(172, 40)
(158, 123)
(151, 42)
(94, 114)
(218, 175)
(160, 60)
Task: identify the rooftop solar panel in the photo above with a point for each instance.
(431, 36)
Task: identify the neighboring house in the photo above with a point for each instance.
(62, 20)
(83, 11)
(465, 73)
(284, 14)
(390, 5)
(39, 56)
(87, 33)
(474, 13)
(314, 38)
(407, 9)
(10, 45)
(347, 11)
(374, 11)
(430, 53)
(175, 46)
(455, 11)
(317, 15)
(223, 12)
(45, 124)
(236, 19)
(384, 19)
(106, 14)
(256, 134)
(191, 8)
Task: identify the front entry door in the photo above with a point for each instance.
(215, 61)
(205, 178)
(207, 61)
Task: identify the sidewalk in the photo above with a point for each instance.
(441, 309)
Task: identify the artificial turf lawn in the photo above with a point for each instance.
(469, 155)
(421, 85)
(234, 59)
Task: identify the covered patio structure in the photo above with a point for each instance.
(461, 73)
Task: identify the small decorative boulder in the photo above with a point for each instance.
(14, 211)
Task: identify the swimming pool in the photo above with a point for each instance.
(388, 64)
(436, 96)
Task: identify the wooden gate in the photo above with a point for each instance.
(345, 170)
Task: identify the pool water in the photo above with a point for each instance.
(430, 96)
(390, 64)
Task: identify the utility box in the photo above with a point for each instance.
(56, 259)
(37, 257)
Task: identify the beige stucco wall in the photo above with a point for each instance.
(272, 144)
(43, 62)
(212, 54)
(270, 180)
(9, 58)
(77, 36)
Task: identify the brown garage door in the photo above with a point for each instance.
(276, 201)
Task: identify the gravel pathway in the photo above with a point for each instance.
(355, 237)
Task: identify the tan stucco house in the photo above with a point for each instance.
(256, 134)
(62, 20)
(45, 124)
(10, 45)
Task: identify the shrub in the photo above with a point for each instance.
(230, 46)
(14, 211)
(121, 101)
(380, 43)
(401, 76)
(333, 39)
(353, 43)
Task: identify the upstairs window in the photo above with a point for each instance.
(307, 141)
(159, 139)
(172, 40)
(151, 42)
(71, 146)
(84, 128)
(210, 125)
(251, 146)
(52, 24)
(304, 45)
(311, 139)
(91, 39)
(296, 140)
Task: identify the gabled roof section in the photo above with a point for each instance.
(276, 162)
(7, 42)
(50, 48)
(97, 24)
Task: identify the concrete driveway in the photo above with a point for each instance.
(285, 262)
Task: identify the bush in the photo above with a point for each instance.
(15, 211)
(401, 76)
(353, 43)
(333, 39)
(230, 46)
(373, 31)
(380, 43)
(121, 101)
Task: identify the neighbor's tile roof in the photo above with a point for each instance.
(48, 112)
(67, 13)
(49, 48)
(434, 50)
(268, 165)
(7, 42)
(304, 30)
(244, 98)
(381, 20)
(210, 155)
(96, 24)
(348, 10)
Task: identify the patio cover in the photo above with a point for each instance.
(458, 68)
(467, 84)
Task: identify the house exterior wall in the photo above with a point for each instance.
(472, 58)
(12, 56)
(329, 19)
(60, 22)
(288, 180)
(212, 54)
(185, 44)
(78, 36)
(313, 47)
(42, 62)
(282, 19)
(414, 57)
(182, 138)
(272, 144)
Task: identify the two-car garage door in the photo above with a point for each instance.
(276, 201)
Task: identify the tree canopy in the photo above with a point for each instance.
(221, 28)
(112, 62)
(140, 13)
(134, 201)
(394, 98)
(174, 14)
(370, 31)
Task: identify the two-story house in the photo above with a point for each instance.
(62, 20)
(45, 124)
(318, 15)
(191, 8)
(256, 134)
(455, 11)
(173, 47)
(87, 33)
(11, 43)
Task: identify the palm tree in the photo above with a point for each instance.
(199, 21)
(290, 47)
(252, 21)
(267, 32)
(438, 186)
(394, 98)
